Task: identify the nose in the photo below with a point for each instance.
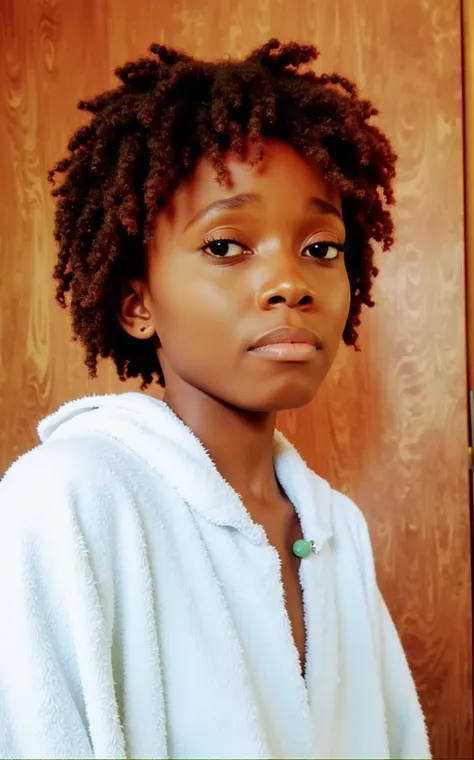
(290, 291)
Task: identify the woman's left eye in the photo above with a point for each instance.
(325, 251)
(223, 248)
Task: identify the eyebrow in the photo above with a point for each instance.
(226, 204)
(324, 207)
(247, 199)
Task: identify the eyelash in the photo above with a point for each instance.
(211, 239)
(341, 247)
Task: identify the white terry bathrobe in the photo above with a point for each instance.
(142, 612)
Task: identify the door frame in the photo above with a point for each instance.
(467, 37)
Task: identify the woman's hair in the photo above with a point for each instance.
(149, 132)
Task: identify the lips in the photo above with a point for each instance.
(288, 335)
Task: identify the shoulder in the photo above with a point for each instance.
(62, 465)
(328, 509)
(352, 542)
(68, 486)
(348, 525)
(337, 510)
(348, 518)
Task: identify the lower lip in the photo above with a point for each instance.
(286, 352)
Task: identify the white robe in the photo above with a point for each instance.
(142, 610)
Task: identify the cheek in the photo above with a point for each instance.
(191, 315)
(337, 297)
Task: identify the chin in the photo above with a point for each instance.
(280, 400)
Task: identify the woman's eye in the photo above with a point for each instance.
(224, 248)
(326, 251)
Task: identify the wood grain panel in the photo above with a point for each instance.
(468, 49)
(390, 425)
(53, 52)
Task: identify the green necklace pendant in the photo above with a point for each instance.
(302, 548)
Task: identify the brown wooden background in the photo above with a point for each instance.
(390, 425)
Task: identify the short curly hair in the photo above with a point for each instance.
(149, 132)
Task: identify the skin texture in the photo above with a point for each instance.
(205, 312)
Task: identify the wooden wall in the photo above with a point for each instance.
(390, 425)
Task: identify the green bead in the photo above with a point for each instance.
(302, 548)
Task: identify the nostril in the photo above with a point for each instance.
(303, 301)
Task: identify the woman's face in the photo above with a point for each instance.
(231, 265)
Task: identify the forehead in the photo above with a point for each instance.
(282, 175)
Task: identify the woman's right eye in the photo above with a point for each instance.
(224, 248)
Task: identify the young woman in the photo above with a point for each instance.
(174, 581)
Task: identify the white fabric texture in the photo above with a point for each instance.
(142, 610)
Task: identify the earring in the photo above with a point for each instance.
(144, 329)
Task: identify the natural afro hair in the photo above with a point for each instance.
(149, 132)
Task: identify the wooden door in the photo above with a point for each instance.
(390, 425)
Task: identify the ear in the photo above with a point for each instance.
(134, 315)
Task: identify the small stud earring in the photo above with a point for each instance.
(143, 329)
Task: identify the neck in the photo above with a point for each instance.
(240, 443)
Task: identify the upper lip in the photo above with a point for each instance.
(288, 335)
